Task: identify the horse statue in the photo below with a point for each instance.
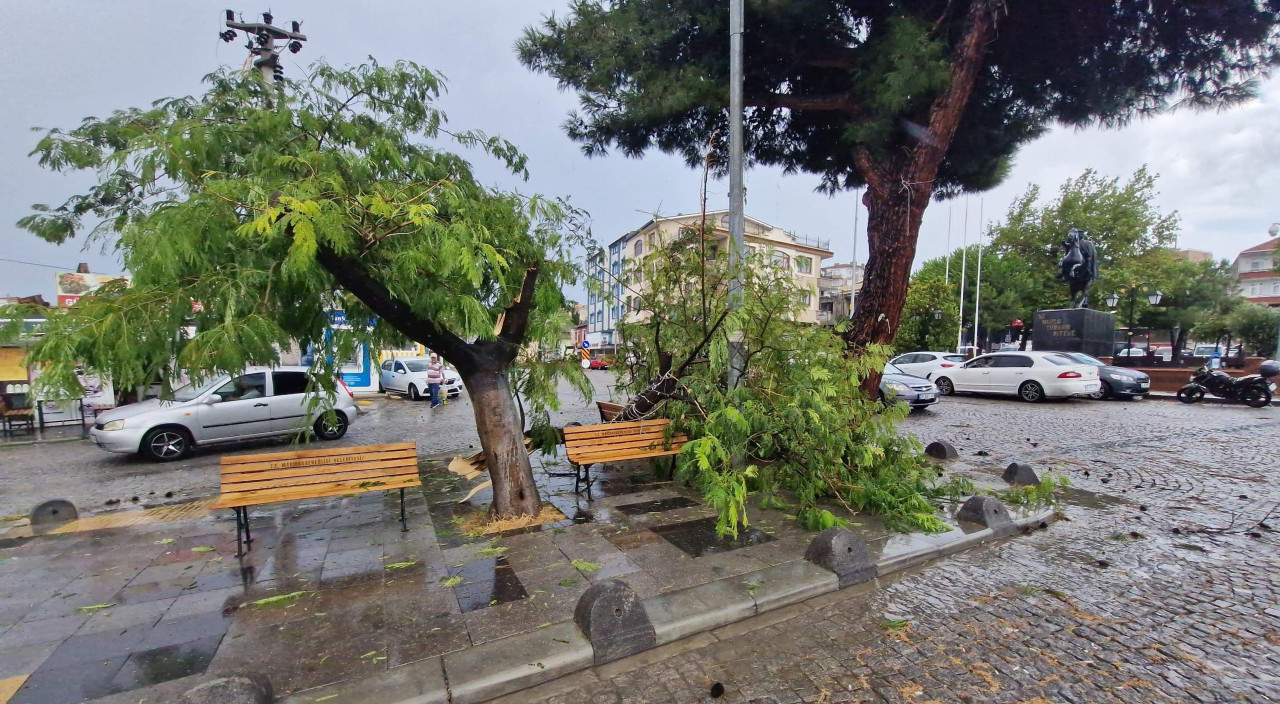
(1079, 266)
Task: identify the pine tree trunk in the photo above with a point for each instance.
(502, 437)
(893, 223)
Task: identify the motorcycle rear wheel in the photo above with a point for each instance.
(1256, 397)
(1190, 394)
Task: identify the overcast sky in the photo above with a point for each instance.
(64, 60)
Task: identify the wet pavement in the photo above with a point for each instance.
(334, 591)
(1160, 586)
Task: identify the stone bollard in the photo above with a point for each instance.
(56, 511)
(844, 553)
(611, 616)
(1021, 473)
(941, 450)
(230, 689)
(988, 511)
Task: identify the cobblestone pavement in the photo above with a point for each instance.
(88, 477)
(1160, 587)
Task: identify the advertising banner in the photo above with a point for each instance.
(71, 286)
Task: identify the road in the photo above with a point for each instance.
(89, 478)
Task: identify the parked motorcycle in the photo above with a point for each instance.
(1254, 390)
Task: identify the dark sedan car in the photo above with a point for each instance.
(1117, 382)
(913, 390)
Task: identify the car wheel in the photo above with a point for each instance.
(166, 444)
(1031, 391)
(380, 389)
(1104, 391)
(413, 393)
(945, 388)
(331, 427)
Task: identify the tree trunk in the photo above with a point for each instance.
(893, 223)
(1178, 341)
(498, 424)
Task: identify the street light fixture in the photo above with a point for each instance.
(937, 314)
(1131, 293)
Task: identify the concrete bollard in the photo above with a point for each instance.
(988, 511)
(611, 616)
(230, 689)
(55, 511)
(1022, 474)
(844, 553)
(941, 450)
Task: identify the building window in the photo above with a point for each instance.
(804, 265)
(1255, 265)
(781, 259)
(805, 298)
(1275, 289)
(639, 274)
(628, 303)
(651, 236)
(1253, 290)
(639, 248)
(751, 251)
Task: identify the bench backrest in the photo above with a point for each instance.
(588, 444)
(248, 480)
(609, 411)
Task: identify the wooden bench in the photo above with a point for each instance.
(586, 445)
(609, 411)
(250, 480)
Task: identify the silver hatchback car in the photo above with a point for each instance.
(258, 403)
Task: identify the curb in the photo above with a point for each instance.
(1162, 396)
(511, 664)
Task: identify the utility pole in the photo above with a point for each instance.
(737, 223)
(977, 297)
(964, 261)
(263, 36)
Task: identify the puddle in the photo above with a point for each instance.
(656, 506)
(168, 663)
(486, 582)
(699, 538)
(1088, 499)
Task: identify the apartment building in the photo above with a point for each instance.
(836, 287)
(1255, 270)
(800, 254)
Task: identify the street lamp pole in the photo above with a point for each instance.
(1131, 291)
(737, 223)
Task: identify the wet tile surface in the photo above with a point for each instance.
(487, 582)
(698, 537)
(657, 505)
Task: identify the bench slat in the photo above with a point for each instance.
(624, 447)
(355, 473)
(618, 457)
(597, 442)
(329, 452)
(314, 491)
(241, 472)
(613, 428)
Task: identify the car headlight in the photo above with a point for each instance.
(113, 425)
(898, 386)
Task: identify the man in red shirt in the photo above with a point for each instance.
(435, 377)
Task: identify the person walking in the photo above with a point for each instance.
(435, 377)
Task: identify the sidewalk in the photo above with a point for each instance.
(52, 433)
(336, 604)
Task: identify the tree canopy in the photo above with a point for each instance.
(911, 99)
(254, 210)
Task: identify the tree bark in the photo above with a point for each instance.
(514, 491)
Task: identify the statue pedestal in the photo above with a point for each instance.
(1092, 332)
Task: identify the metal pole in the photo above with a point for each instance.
(964, 261)
(853, 282)
(946, 274)
(737, 223)
(977, 294)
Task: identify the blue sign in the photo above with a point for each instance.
(586, 345)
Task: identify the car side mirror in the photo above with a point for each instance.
(401, 371)
(212, 399)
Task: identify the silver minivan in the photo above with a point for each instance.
(260, 402)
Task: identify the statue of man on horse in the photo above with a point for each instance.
(1079, 266)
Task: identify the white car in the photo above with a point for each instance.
(924, 364)
(257, 403)
(1031, 376)
(408, 376)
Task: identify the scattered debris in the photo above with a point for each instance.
(279, 599)
(95, 607)
(1103, 563)
(584, 566)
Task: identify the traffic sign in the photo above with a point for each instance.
(586, 364)
(586, 345)
(585, 354)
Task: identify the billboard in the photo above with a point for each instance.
(70, 286)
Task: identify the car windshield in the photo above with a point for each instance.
(1084, 359)
(193, 391)
(954, 358)
(1059, 359)
(891, 369)
(417, 365)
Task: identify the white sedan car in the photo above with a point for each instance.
(408, 375)
(1031, 376)
(925, 364)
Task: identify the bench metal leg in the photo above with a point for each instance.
(404, 523)
(248, 536)
(586, 474)
(239, 533)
